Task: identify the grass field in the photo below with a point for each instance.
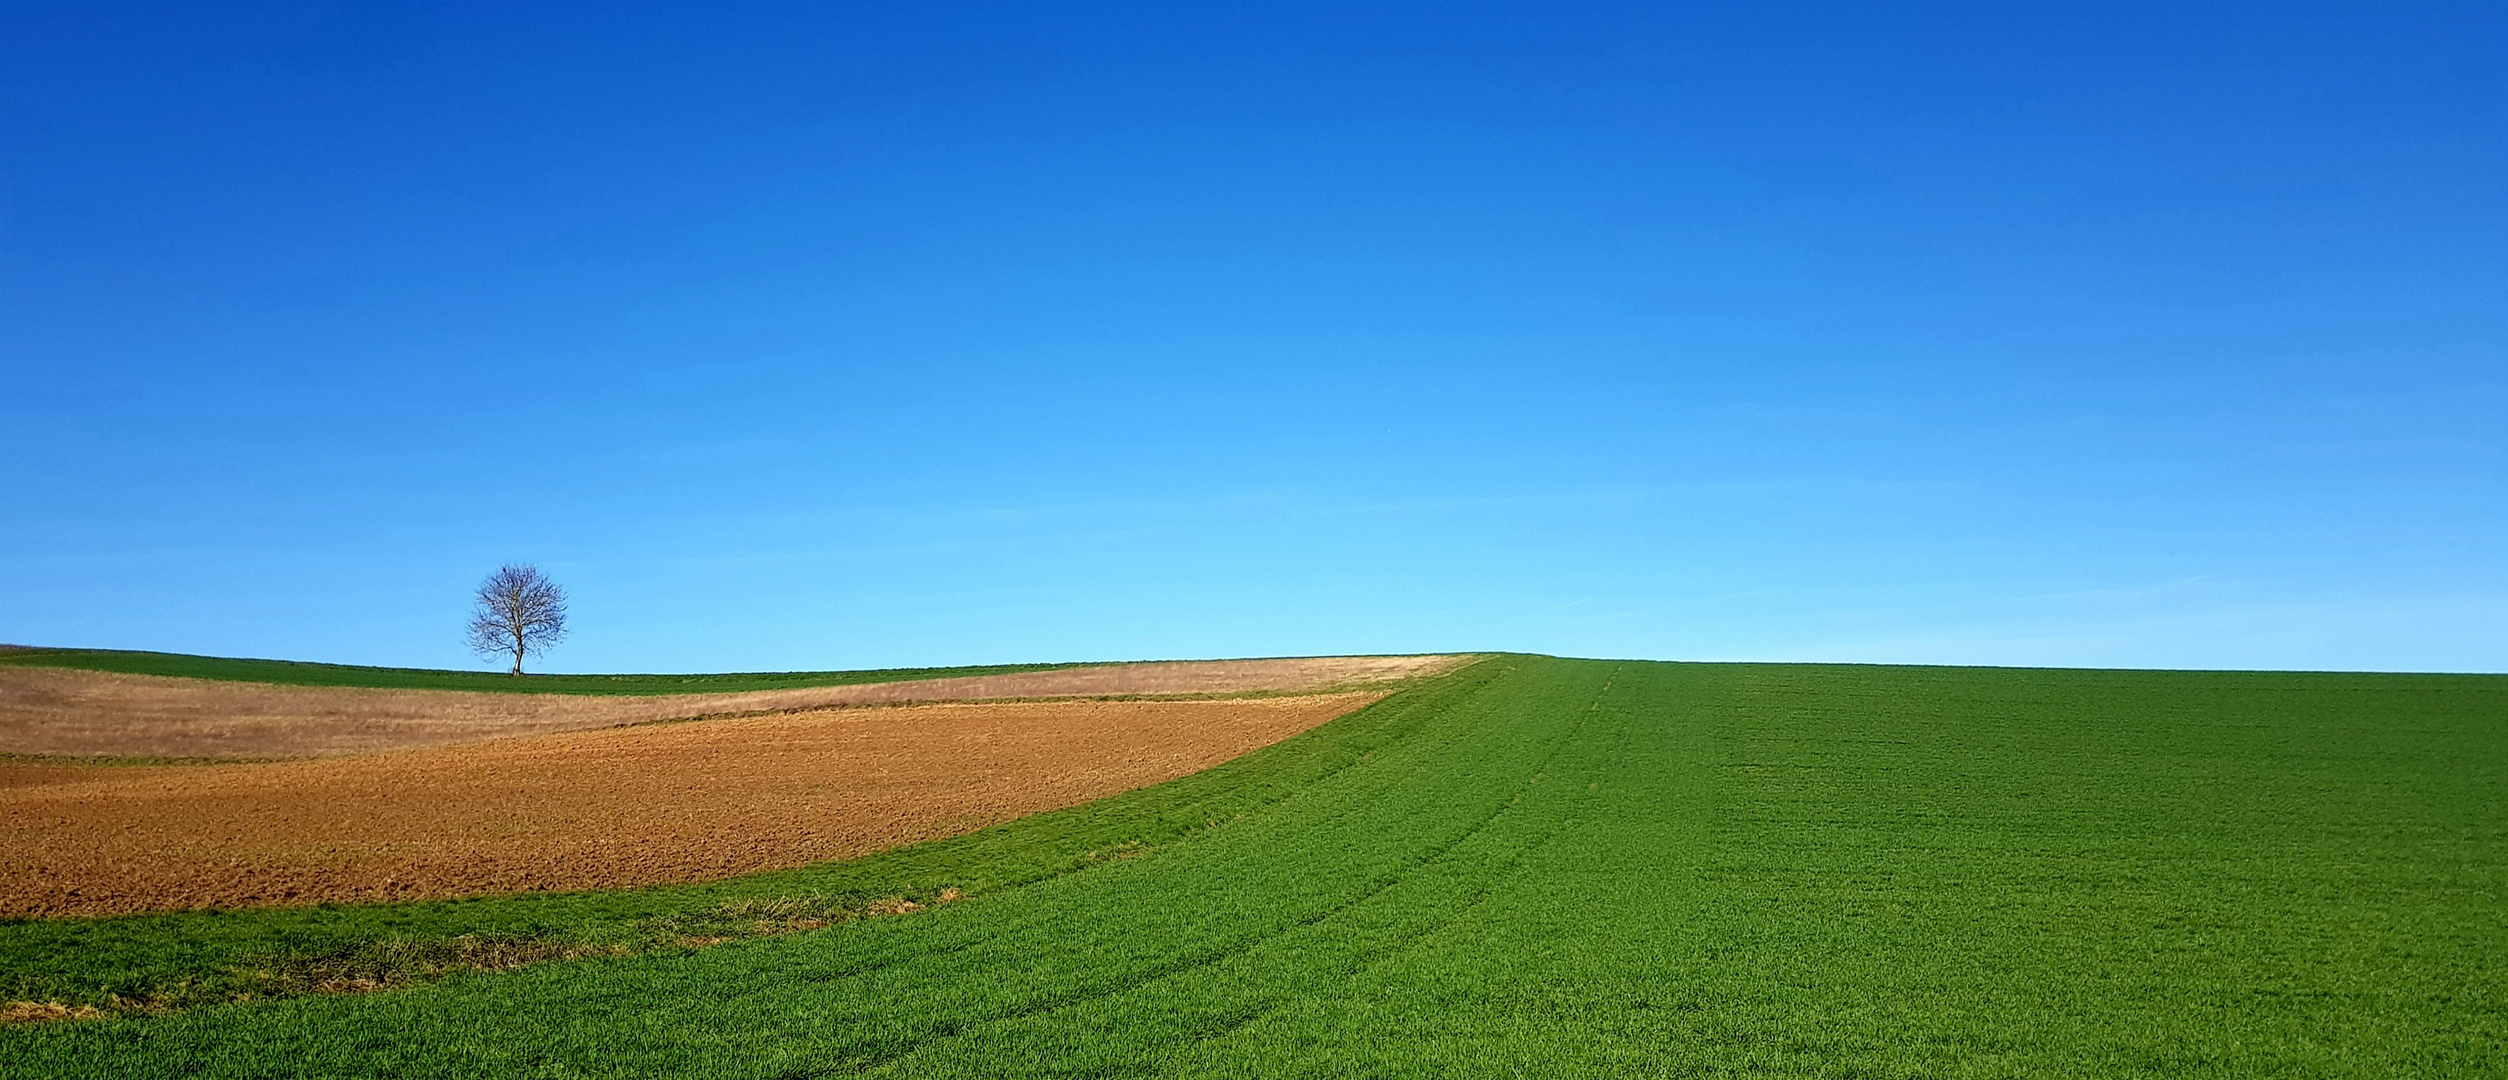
(297, 673)
(1531, 867)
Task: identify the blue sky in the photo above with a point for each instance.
(818, 336)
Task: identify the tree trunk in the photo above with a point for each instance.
(518, 651)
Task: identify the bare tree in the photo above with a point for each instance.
(520, 611)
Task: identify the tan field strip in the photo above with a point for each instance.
(56, 711)
(615, 807)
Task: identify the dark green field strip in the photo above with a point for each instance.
(296, 673)
(1560, 868)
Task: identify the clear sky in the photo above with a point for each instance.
(842, 336)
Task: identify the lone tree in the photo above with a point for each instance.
(520, 612)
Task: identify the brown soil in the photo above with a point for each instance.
(616, 807)
(61, 711)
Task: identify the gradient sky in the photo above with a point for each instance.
(846, 336)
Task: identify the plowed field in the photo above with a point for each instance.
(70, 712)
(613, 807)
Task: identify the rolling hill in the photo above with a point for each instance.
(1527, 867)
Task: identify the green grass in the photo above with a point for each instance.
(1535, 867)
(296, 673)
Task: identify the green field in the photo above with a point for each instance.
(1532, 867)
(298, 673)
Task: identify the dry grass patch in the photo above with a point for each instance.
(36, 1012)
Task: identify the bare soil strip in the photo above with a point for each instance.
(55, 711)
(616, 807)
